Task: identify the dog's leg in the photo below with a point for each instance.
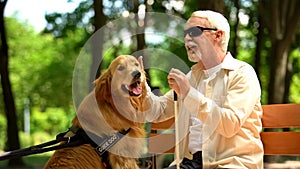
(118, 162)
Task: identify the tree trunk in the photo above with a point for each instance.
(140, 37)
(288, 80)
(12, 141)
(259, 43)
(216, 5)
(278, 72)
(97, 41)
(235, 38)
(282, 19)
(140, 29)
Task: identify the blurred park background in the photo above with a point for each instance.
(37, 67)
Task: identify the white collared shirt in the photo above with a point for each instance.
(195, 136)
(229, 109)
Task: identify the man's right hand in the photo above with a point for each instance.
(140, 60)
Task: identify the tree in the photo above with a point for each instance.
(10, 108)
(282, 20)
(97, 42)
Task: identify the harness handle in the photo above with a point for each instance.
(43, 147)
(79, 138)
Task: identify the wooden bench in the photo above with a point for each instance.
(275, 116)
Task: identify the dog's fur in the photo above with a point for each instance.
(108, 109)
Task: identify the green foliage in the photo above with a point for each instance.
(26, 139)
(2, 131)
(51, 121)
(41, 68)
(44, 126)
(167, 160)
(295, 85)
(31, 162)
(170, 54)
(295, 97)
(59, 24)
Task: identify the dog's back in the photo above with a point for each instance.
(83, 156)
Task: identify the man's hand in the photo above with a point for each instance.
(178, 82)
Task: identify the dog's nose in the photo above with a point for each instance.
(136, 74)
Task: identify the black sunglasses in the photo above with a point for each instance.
(196, 31)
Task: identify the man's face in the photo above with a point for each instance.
(200, 44)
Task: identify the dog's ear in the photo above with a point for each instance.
(103, 86)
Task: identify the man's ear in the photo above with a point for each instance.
(219, 35)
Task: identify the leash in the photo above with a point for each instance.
(44, 147)
(79, 137)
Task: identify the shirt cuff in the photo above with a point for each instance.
(192, 100)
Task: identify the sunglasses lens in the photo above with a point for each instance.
(192, 32)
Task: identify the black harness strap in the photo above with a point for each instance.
(106, 143)
(80, 138)
(44, 147)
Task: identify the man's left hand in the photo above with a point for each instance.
(178, 82)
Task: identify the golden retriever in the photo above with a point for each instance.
(117, 103)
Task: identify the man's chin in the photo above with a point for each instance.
(193, 58)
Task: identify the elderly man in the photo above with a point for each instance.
(219, 100)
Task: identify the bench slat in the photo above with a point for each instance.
(281, 115)
(283, 143)
(161, 143)
(164, 125)
(274, 116)
(275, 143)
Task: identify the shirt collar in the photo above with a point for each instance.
(212, 71)
(229, 62)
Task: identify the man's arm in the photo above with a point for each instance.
(232, 110)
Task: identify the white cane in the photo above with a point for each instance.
(177, 159)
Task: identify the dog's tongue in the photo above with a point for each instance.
(136, 88)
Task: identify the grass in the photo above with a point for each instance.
(31, 162)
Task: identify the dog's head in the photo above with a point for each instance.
(124, 79)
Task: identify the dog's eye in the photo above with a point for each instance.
(120, 68)
(136, 64)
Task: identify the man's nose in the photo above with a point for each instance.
(187, 38)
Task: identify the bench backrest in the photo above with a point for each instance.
(275, 116)
(278, 116)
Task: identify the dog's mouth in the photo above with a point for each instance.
(134, 89)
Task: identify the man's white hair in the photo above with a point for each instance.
(216, 20)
